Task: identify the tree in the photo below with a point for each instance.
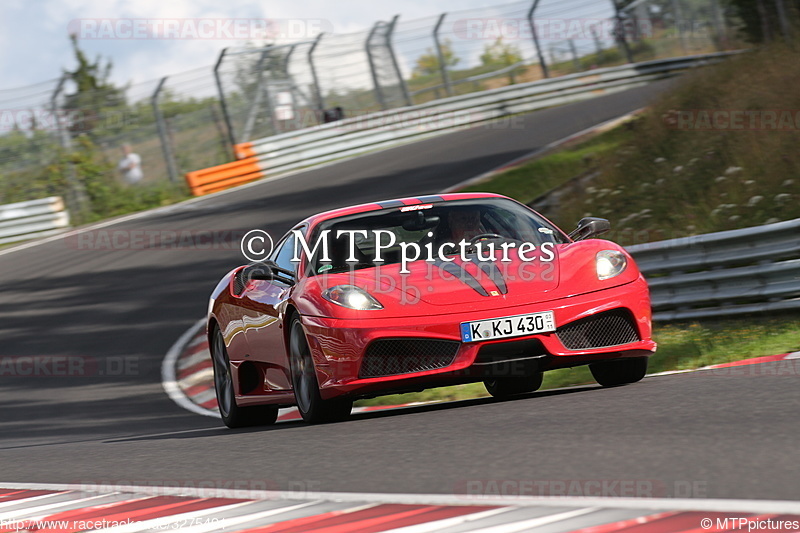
(94, 94)
(500, 54)
(428, 63)
(759, 19)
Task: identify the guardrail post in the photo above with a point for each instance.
(225, 114)
(395, 64)
(169, 158)
(620, 32)
(440, 54)
(317, 91)
(77, 201)
(542, 63)
(371, 60)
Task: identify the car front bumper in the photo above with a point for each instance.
(339, 346)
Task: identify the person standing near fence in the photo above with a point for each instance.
(130, 165)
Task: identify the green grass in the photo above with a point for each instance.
(441, 394)
(682, 346)
(531, 180)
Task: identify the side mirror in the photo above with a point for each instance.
(268, 271)
(257, 271)
(590, 227)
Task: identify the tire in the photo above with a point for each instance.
(505, 387)
(620, 371)
(312, 407)
(232, 415)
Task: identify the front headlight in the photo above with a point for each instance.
(610, 263)
(351, 297)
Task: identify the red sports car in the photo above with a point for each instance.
(409, 294)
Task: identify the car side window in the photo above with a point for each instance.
(284, 254)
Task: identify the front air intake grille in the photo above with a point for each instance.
(389, 357)
(611, 328)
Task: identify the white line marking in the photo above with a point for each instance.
(15, 515)
(203, 397)
(31, 499)
(197, 340)
(168, 379)
(205, 376)
(193, 359)
(432, 527)
(528, 525)
(163, 523)
(671, 372)
(231, 522)
(655, 504)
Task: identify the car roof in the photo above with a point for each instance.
(395, 203)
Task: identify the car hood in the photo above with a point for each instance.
(481, 284)
(432, 288)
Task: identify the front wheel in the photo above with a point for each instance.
(505, 387)
(312, 407)
(619, 371)
(232, 415)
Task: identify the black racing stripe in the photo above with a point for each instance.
(431, 198)
(388, 204)
(494, 274)
(459, 272)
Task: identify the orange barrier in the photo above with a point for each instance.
(244, 150)
(225, 176)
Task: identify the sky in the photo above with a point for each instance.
(34, 44)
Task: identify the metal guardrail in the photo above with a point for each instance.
(358, 135)
(723, 274)
(36, 218)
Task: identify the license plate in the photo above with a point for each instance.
(510, 326)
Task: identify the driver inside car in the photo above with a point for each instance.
(464, 225)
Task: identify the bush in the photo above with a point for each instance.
(667, 182)
(97, 177)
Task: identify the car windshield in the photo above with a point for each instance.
(438, 224)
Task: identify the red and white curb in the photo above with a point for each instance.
(188, 378)
(46, 508)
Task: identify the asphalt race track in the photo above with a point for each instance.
(113, 314)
